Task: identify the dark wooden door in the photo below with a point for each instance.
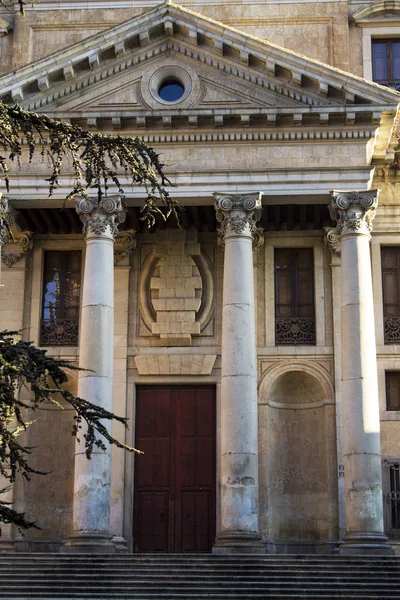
(174, 498)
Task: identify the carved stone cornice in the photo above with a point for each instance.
(332, 240)
(192, 28)
(238, 213)
(353, 211)
(101, 218)
(124, 245)
(16, 248)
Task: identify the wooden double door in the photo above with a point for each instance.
(174, 501)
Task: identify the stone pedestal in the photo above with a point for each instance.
(239, 532)
(91, 510)
(354, 212)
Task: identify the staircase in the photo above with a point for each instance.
(191, 577)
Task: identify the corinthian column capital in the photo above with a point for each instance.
(101, 218)
(238, 213)
(353, 211)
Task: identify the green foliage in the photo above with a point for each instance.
(23, 366)
(97, 159)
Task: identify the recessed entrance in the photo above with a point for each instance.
(174, 502)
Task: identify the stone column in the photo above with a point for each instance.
(239, 530)
(354, 212)
(91, 510)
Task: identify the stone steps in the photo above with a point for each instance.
(191, 577)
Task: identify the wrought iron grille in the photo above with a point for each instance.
(59, 332)
(391, 495)
(392, 330)
(295, 330)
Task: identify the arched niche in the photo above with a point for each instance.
(298, 464)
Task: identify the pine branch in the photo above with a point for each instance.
(22, 364)
(96, 159)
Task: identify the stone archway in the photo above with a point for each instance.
(299, 464)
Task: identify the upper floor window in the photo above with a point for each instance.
(391, 293)
(386, 62)
(61, 298)
(294, 296)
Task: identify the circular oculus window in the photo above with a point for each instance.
(171, 90)
(170, 84)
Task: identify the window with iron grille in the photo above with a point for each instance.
(391, 293)
(392, 390)
(386, 62)
(391, 495)
(294, 296)
(61, 298)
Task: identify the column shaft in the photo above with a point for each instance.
(93, 477)
(92, 480)
(239, 409)
(360, 402)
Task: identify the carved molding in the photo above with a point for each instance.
(16, 248)
(376, 12)
(124, 245)
(175, 364)
(176, 289)
(332, 240)
(5, 27)
(192, 27)
(258, 239)
(271, 370)
(104, 72)
(101, 218)
(14, 244)
(353, 211)
(238, 213)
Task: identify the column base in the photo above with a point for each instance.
(238, 543)
(365, 543)
(88, 542)
(120, 544)
(6, 545)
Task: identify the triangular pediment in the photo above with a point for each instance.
(123, 98)
(127, 96)
(227, 76)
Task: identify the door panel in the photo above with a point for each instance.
(175, 478)
(153, 524)
(196, 521)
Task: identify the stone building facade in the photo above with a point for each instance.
(255, 349)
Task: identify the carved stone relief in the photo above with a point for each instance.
(176, 290)
(16, 248)
(124, 245)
